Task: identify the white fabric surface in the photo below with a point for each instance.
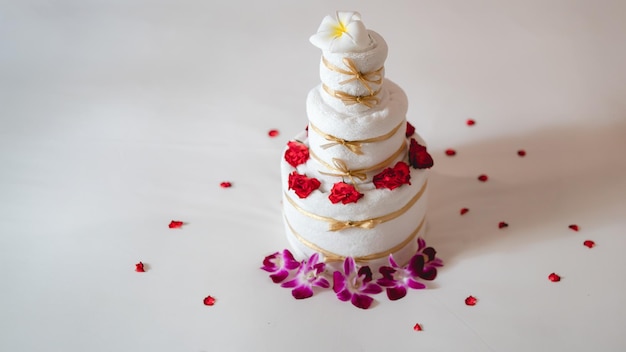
(119, 116)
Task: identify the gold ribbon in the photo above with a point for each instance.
(342, 169)
(347, 99)
(365, 78)
(338, 225)
(353, 146)
(333, 257)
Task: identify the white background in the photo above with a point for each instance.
(119, 116)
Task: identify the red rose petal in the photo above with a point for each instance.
(573, 227)
(410, 130)
(273, 133)
(589, 243)
(226, 184)
(139, 268)
(470, 122)
(554, 277)
(175, 224)
(521, 152)
(464, 211)
(471, 301)
(483, 178)
(502, 225)
(417, 327)
(209, 301)
(450, 152)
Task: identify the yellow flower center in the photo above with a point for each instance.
(339, 30)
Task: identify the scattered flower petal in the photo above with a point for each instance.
(464, 211)
(470, 122)
(450, 152)
(502, 225)
(521, 152)
(573, 227)
(483, 178)
(226, 184)
(554, 277)
(471, 301)
(417, 327)
(209, 301)
(175, 224)
(589, 243)
(273, 133)
(139, 268)
(410, 130)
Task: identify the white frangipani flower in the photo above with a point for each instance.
(343, 33)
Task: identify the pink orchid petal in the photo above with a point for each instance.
(371, 288)
(429, 273)
(339, 282)
(361, 301)
(421, 244)
(279, 276)
(291, 283)
(348, 266)
(344, 295)
(302, 292)
(395, 293)
(416, 265)
(393, 262)
(321, 282)
(386, 282)
(415, 284)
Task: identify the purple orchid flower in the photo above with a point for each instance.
(279, 264)
(355, 284)
(307, 276)
(397, 279)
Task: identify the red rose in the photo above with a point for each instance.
(419, 157)
(344, 193)
(409, 129)
(302, 185)
(297, 153)
(393, 177)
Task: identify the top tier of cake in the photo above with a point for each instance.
(352, 63)
(357, 118)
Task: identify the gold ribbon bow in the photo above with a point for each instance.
(365, 78)
(347, 99)
(364, 224)
(353, 146)
(342, 167)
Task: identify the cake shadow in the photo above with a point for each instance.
(570, 174)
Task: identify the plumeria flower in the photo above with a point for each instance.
(343, 33)
(355, 284)
(279, 264)
(308, 275)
